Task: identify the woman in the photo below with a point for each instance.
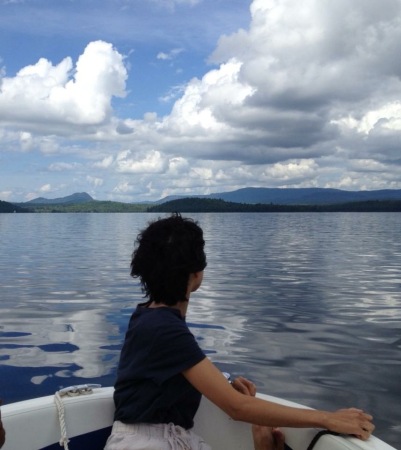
(163, 372)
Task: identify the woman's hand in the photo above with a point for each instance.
(351, 421)
(244, 386)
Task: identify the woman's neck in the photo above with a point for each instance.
(181, 306)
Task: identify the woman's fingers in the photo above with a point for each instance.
(244, 386)
(352, 421)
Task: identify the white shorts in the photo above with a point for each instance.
(143, 436)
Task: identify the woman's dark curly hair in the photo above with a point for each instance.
(166, 253)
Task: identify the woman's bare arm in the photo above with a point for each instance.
(208, 380)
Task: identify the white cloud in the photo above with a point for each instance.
(6, 195)
(152, 162)
(172, 94)
(123, 187)
(26, 141)
(105, 163)
(95, 181)
(200, 113)
(45, 188)
(48, 145)
(171, 4)
(172, 54)
(63, 166)
(387, 117)
(178, 167)
(292, 170)
(43, 94)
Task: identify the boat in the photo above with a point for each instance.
(80, 418)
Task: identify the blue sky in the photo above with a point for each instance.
(135, 100)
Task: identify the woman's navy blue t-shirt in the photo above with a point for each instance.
(150, 387)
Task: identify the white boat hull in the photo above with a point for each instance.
(34, 424)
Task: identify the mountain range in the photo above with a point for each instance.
(301, 196)
(254, 195)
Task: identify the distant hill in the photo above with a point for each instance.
(295, 196)
(6, 207)
(81, 197)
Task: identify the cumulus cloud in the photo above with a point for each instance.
(294, 73)
(386, 117)
(42, 95)
(152, 162)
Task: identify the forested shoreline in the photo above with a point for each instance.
(199, 205)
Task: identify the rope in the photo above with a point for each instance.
(71, 391)
(318, 436)
(60, 409)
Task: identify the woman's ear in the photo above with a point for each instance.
(195, 280)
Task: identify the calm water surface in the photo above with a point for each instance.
(306, 305)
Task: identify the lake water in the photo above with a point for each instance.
(308, 306)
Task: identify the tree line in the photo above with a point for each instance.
(193, 205)
(198, 205)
